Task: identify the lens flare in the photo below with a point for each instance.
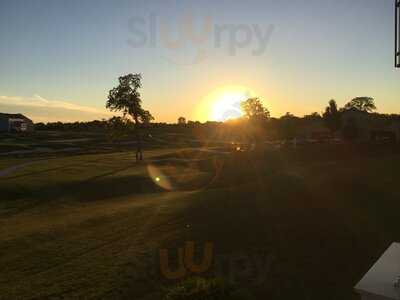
(159, 178)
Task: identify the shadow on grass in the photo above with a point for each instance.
(16, 199)
(48, 170)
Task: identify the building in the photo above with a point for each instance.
(372, 127)
(358, 121)
(15, 123)
(317, 131)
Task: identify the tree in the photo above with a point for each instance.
(253, 109)
(181, 121)
(288, 126)
(126, 99)
(312, 117)
(117, 127)
(332, 117)
(255, 115)
(364, 104)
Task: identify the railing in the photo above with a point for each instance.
(397, 35)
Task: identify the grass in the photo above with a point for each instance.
(90, 226)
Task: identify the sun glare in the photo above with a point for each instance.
(224, 103)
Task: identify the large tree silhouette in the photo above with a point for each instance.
(256, 115)
(253, 109)
(365, 104)
(126, 99)
(332, 117)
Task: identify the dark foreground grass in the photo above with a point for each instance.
(91, 226)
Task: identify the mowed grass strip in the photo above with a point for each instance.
(97, 237)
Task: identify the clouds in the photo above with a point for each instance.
(45, 110)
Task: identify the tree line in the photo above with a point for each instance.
(255, 123)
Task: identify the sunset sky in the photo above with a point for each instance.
(58, 59)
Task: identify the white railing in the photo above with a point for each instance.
(397, 35)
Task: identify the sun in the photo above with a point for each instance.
(227, 106)
(224, 103)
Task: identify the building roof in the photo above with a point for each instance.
(355, 111)
(17, 116)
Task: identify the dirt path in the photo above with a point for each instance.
(10, 170)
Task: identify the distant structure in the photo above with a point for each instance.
(15, 123)
(361, 125)
(371, 127)
(317, 131)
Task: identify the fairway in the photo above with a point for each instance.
(90, 226)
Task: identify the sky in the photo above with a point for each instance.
(59, 59)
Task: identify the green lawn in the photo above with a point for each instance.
(89, 226)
